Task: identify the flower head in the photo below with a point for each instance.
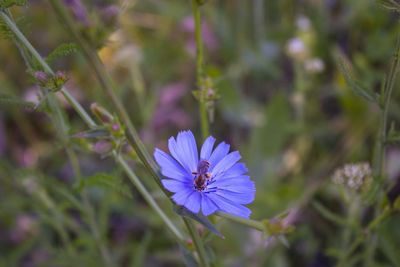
(356, 176)
(216, 181)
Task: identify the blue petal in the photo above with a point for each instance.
(187, 144)
(207, 147)
(207, 206)
(193, 202)
(229, 206)
(236, 170)
(226, 163)
(237, 197)
(228, 182)
(178, 154)
(220, 151)
(175, 185)
(169, 167)
(181, 197)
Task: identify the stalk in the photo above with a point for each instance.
(198, 243)
(107, 85)
(200, 69)
(79, 109)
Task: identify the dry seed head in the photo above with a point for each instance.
(354, 176)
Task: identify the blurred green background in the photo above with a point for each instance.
(282, 102)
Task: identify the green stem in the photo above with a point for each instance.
(108, 87)
(85, 116)
(200, 70)
(379, 160)
(147, 196)
(198, 243)
(58, 222)
(90, 213)
(79, 109)
(247, 222)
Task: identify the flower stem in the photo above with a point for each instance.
(90, 213)
(379, 160)
(75, 104)
(147, 196)
(200, 69)
(79, 109)
(247, 222)
(198, 243)
(108, 87)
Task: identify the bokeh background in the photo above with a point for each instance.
(282, 102)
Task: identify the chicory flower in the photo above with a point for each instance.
(216, 181)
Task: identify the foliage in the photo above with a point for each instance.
(301, 88)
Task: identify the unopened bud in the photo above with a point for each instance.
(41, 77)
(58, 81)
(101, 113)
(115, 127)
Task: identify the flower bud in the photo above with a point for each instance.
(101, 113)
(41, 77)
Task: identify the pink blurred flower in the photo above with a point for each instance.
(79, 11)
(209, 38)
(168, 111)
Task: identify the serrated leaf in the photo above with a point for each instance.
(355, 85)
(197, 217)
(62, 51)
(93, 133)
(108, 182)
(10, 3)
(4, 30)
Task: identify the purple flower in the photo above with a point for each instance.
(215, 182)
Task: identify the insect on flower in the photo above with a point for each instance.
(215, 182)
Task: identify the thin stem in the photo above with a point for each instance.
(89, 211)
(248, 222)
(147, 196)
(200, 69)
(379, 161)
(198, 243)
(85, 116)
(79, 109)
(108, 87)
(387, 96)
(59, 120)
(58, 222)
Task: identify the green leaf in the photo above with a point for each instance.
(5, 31)
(187, 257)
(99, 132)
(108, 182)
(140, 252)
(391, 5)
(10, 3)
(62, 51)
(354, 85)
(327, 214)
(9, 100)
(199, 218)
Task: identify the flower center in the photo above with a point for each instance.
(202, 175)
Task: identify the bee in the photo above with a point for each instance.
(202, 175)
